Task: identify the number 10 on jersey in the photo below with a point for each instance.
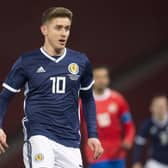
(58, 84)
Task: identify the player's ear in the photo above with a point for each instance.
(43, 29)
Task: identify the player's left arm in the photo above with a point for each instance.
(89, 110)
(129, 128)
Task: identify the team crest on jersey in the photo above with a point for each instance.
(39, 157)
(73, 68)
(104, 120)
(113, 107)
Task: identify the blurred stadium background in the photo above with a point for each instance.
(131, 37)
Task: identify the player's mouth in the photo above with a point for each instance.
(62, 41)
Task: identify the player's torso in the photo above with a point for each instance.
(108, 117)
(109, 127)
(159, 136)
(159, 139)
(52, 90)
(54, 78)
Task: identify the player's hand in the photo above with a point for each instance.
(126, 145)
(96, 147)
(137, 165)
(3, 144)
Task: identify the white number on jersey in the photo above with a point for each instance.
(58, 84)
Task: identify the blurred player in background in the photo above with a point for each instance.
(155, 129)
(53, 76)
(115, 126)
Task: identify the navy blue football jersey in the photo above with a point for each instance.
(52, 87)
(157, 133)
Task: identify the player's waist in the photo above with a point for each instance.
(62, 129)
(66, 141)
(160, 157)
(63, 135)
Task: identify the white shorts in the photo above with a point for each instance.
(41, 152)
(154, 164)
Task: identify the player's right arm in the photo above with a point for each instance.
(14, 81)
(3, 144)
(5, 97)
(140, 141)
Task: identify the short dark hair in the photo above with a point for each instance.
(97, 67)
(55, 12)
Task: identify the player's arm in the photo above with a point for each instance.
(129, 132)
(140, 141)
(129, 128)
(5, 97)
(14, 80)
(89, 110)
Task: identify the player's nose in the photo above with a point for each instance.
(64, 33)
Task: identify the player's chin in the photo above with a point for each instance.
(58, 48)
(61, 46)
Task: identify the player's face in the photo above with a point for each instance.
(56, 32)
(101, 78)
(159, 108)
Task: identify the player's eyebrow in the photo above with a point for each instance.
(59, 26)
(67, 27)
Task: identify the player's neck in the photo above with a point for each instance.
(161, 120)
(99, 92)
(52, 51)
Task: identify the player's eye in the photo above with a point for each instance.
(58, 27)
(67, 28)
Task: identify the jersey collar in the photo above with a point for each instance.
(161, 123)
(104, 96)
(52, 58)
